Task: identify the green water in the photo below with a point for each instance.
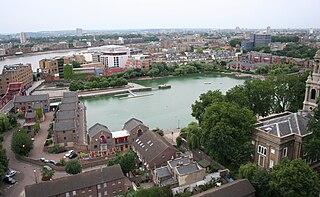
(165, 109)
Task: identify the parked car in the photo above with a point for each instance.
(69, 153)
(44, 160)
(11, 173)
(47, 167)
(73, 155)
(9, 180)
(53, 162)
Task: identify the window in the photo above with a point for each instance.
(285, 152)
(119, 182)
(89, 189)
(313, 94)
(98, 186)
(64, 131)
(261, 160)
(252, 142)
(105, 185)
(67, 194)
(113, 184)
(95, 146)
(273, 151)
(65, 138)
(99, 194)
(74, 193)
(105, 193)
(271, 164)
(262, 150)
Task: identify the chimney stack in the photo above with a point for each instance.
(190, 158)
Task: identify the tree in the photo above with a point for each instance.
(3, 162)
(198, 108)
(12, 118)
(235, 42)
(194, 135)
(227, 129)
(126, 161)
(73, 167)
(179, 141)
(46, 173)
(67, 72)
(259, 178)
(294, 178)
(39, 114)
(21, 142)
(4, 123)
(154, 192)
(36, 127)
(312, 144)
(75, 64)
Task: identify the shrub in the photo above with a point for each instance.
(73, 167)
(57, 149)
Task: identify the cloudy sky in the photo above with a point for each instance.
(43, 15)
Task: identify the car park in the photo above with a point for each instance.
(9, 180)
(11, 173)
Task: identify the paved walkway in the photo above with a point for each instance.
(39, 140)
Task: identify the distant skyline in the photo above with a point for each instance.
(38, 15)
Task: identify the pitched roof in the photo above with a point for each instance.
(68, 107)
(69, 100)
(64, 126)
(237, 188)
(70, 94)
(163, 172)
(131, 124)
(74, 182)
(150, 145)
(65, 115)
(187, 168)
(31, 98)
(96, 128)
(37, 105)
(286, 124)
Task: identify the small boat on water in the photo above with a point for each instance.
(207, 82)
(164, 86)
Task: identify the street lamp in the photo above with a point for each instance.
(35, 175)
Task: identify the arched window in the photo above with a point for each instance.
(313, 94)
(139, 132)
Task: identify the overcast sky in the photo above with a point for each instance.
(43, 15)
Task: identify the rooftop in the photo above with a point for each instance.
(65, 115)
(96, 128)
(31, 98)
(175, 162)
(118, 134)
(66, 100)
(285, 124)
(131, 124)
(187, 168)
(163, 172)
(74, 182)
(70, 94)
(64, 126)
(68, 107)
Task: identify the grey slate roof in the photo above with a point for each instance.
(187, 168)
(64, 126)
(69, 100)
(66, 115)
(30, 115)
(131, 124)
(37, 105)
(68, 107)
(31, 98)
(286, 125)
(96, 128)
(168, 182)
(74, 182)
(237, 188)
(163, 172)
(175, 162)
(157, 145)
(70, 94)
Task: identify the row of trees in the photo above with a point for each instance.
(97, 82)
(297, 51)
(285, 38)
(277, 69)
(288, 179)
(3, 159)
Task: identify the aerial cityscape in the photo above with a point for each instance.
(160, 98)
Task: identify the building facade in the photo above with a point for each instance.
(15, 73)
(23, 103)
(107, 181)
(280, 136)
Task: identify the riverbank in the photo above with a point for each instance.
(44, 52)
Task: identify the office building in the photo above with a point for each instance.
(15, 73)
(261, 40)
(114, 56)
(78, 32)
(23, 38)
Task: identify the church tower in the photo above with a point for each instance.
(313, 86)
